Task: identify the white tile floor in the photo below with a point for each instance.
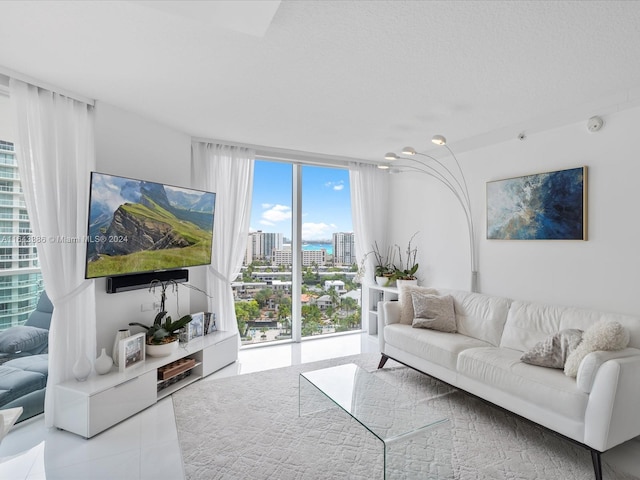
(145, 446)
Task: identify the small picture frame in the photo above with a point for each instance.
(195, 328)
(210, 322)
(132, 351)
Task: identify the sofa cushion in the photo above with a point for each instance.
(478, 315)
(15, 383)
(529, 323)
(433, 312)
(32, 363)
(501, 368)
(553, 351)
(406, 303)
(437, 347)
(22, 338)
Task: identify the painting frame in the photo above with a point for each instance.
(131, 352)
(542, 206)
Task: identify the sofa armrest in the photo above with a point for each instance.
(593, 361)
(611, 416)
(388, 313)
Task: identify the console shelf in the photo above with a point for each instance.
(90, 407)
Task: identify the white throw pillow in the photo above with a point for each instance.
(433, 312)
(604, 335)
(406, 303)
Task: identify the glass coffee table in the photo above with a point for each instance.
(416, 439)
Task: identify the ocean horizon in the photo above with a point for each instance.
(318, 246)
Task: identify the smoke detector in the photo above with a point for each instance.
(594, 124)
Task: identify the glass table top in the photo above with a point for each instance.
(385, 410)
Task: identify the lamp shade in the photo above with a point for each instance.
(439, 140)
(391, 156)
(408, 151)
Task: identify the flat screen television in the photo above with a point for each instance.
(137, 226)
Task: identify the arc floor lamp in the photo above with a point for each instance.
(454, 180)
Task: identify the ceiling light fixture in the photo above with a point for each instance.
(454, 181)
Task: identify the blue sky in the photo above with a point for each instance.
(326, 200)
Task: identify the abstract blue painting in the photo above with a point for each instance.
(544, 206)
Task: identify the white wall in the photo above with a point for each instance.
(600, 273)
(135, 147)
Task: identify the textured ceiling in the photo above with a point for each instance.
(347, 78)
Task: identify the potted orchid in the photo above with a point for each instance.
(406, 270)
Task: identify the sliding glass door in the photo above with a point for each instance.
(297, 277)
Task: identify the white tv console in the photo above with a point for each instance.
(90, 407)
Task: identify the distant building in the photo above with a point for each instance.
(337, 285)
(20, 277)
(261, 246)
(309, 257)
(344, 249)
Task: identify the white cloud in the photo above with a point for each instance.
(335, 186)
(266, 205)
(317, 231)
(276, 213)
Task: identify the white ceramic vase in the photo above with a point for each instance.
(402, 283)
(115, 353)
(82, 368)
(103, 363)
(162, 350)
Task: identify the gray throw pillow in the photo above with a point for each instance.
(553, 351)
(433, 312)
(22, 338)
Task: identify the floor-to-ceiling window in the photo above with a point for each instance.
(20, 278)
(297, 277)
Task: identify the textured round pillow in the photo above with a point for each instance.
(604, 335)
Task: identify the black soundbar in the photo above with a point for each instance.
(137, 281)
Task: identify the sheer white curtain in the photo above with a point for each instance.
(227, 171)
(369, 209)
(55, 153)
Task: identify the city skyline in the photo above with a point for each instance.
(326, 201)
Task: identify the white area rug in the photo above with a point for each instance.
(247, 428)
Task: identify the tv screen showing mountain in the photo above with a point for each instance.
(137, 226)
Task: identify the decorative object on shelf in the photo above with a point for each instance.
(174, 368)
(407, 270)
(115, 352)
(82, 368)
(103, 363)
(454, 181)
(162, 350)
(195, 328)
(401, 283)
(162, 334)
(544, 206)
(383, 265)
(132, 351)
(209, 323)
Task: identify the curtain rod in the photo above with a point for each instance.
(289, 154)
(6, 73)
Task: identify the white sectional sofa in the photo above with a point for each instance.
(598, 409)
